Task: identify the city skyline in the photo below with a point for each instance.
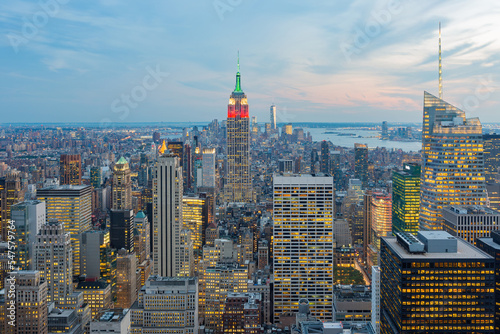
(311, 61)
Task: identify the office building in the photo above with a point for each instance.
(11, 193)
(122, 229)
(122, 186)
(208, 163)
(470, 222)
(385, 131)
(238, 187)
(167, 216)
(115, 321)
(491, 143)
(493, 190)
(28, 217)
(361, 163)
(31, 306)
(63, 321)
(272, 116)
(70, 169)
(303, 213)
(435, 283)
(375, 319)
(262, 254)
(97, 295)
(126, 283)
(95, 177)
(352, 304)
(195, 219)
(367, 223)
(491, 245)
(285, 166)
(452, 161)
(406, 199)
(325, 158)
(166, 305)
(381, 211)
(53, 259)
(142, 245)
(71, 206)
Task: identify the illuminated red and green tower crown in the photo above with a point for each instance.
(238, 104)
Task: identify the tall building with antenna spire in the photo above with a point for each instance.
(452, 162)
(238, 187)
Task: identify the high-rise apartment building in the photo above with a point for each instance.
(167, 216)
(452, 162)
(166, 305)
(53, 259)
(70, 169)
(122, 186)
(435, 283)
(406, 199)
(303, 215)
(28, 217)
(242, 313)
(71, 206)
(361, 163)
(238, 187)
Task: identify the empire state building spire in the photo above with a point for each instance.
(237, 88)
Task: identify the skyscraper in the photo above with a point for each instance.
(381, 210)
(11, 194)
(435, 283)
(406, 199)
(491, 157)
(53, 259)
(71, 206)
(238, 186)
(385, 131)
(303, 214)
(453, 167)
(95, 177)
(70, 169)
(122, 229)
(325, 157)
(167, 216)
(208, 163)
(122, 186)
(126, 283)
(273, 117)
(195, 219)
(361, 163)
(28, 217)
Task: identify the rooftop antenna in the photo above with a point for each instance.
(440, 67)
(239, 59)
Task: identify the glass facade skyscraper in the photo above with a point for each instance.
(406, 199)
(361, 163)
(453, 166)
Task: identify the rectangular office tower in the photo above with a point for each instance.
(406, 199)
(491, 157)
(238, 187)
(453, 166)
(303, 244)
(435, 283)
(70, 169)
(72, 206)
(361, 163)
(167, 216)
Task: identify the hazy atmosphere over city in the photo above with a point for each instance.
(333, 61)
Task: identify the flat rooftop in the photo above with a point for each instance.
(471, 210)
(464, 250)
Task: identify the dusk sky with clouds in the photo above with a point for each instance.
(321, 61)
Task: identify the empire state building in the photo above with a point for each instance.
(238, 187)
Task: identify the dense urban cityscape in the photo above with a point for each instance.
(254, 226)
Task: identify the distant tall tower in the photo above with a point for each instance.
(70, 169)
(453, 165)
(325, 157)
(53, 258)
(122, 186)
(385, 131)
(239, 181)
(167, 216)
(208, 162)
(11, 194)
(273, 117)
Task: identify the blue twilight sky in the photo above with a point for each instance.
(333, 61)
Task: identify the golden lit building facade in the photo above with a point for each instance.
(97, 295)
(71, 206)
(195, 219)
(381, 211)
(122, 186)
(452, 164)
(70, 169)
(303, 244)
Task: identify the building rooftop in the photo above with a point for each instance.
(114, 315)
(471, 210)
(464, 249)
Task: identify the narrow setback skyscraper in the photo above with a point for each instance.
(167, 216)
(238, 186)
(453, 166)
